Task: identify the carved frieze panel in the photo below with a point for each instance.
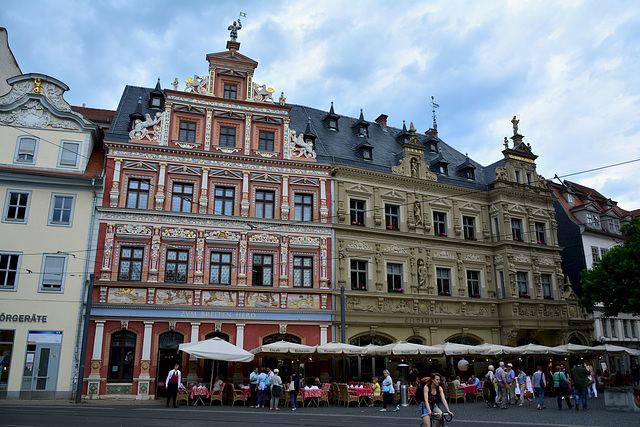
(222, 236)
(443, 255)
(522, 259)
(178, 234)
(127, 296)
(174, 297)
(473, 258)
(360, 246)
(300, 301)
(304, 241)
(219, 298)
(262, 299)
(133, 230)
(394, 249)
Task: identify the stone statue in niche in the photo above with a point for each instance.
(414, 168)
(417, 213)
(422, 280)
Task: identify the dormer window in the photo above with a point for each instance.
(593, 220)
(367, 153)
(363, 132)
(570, 199)
(230, 91)
(331, 119)
(442, 168)
(155, 102)
(470, 173)
(156, 97)
(333, 124)
(432, 146)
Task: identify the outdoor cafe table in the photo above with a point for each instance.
(312, 395)
(197, 394)
(470, 389)
(363, 393)
(247, 392)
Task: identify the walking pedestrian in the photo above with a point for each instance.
(539, 383)
(262, 388)
(561, 384)
(501, 379)
(253, 384)
(294, 389)
(173, 383)
(388, 392)
(490, 383)
(276, 390)
(581, 377)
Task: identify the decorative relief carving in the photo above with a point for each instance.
(133, 230)
(149, 128)
(360, 246)
(546, 261)
(222, 235)
(521, 259)
(32, 114)
(174, 297)
(443, 255)
(219, 298)
(473, 258)
(304, 301)
(555, 311)
(304, 241)
(264, 238)
(179, 233)
(127, 296)
(394, 249)
(17, 91)
(527, 310)
(300, 147)
(498, 259)
(360, 304)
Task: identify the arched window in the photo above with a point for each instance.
(170, 340)
(525, 341)
(416, 341)
(369, 339)
(217, 334)
(122, 353)
(281, 337)
(215, 368)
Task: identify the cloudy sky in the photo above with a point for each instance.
(570, 69)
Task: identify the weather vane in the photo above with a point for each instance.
(433, 110)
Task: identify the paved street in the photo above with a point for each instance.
(142, 414)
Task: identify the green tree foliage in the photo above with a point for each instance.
(615, 280)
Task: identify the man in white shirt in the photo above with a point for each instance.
(173, 382)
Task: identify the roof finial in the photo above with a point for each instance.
(433, 110)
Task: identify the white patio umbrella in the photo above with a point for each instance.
(338, 348)
(576, 349)
(402, 348)
(217, 349)
(283, 348)
(453, 349)
(610, 348)
(532, 349)
(487, 349)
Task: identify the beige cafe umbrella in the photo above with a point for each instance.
(338, 348)
(402, 348)
(283, 348)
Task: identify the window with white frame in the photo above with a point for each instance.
(625, 328)
(593, 220)
(392, 217)
(614, 333)
(220, 268)
(357, 209)
(16, 206)
(570, 199)
(53, 272)
(69, 154)
(595, 254)
(394, 278)
(605, 327)
(541, 233)
(177, 266)
(303, 272)
(469, 227)
(522, 279)
(603, 252)
(473, 283)
(358, 275)
(614, 226)
(440, 224)
(516, 228)
(26, 150)
(61, 210)
(634, 330)
(9, 270)
(443, 280)
(547, 290)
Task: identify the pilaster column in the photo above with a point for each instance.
(244, 204)
(204, 189)
(323, 334)
(240, 335)
(193, 361)
(284, 207)
(93, 382)
(145, 363)
(324, 211)
(107, 253)
(114, 194)
(242, 273)
(161, 184)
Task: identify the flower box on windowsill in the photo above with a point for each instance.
(471, 238)
(548, 297)
(523, 295)
(517, 239)
(392, 227)
(442, 234)
(397, 291)
(360, 224)
(444, 294)
(474, 296)
(541, 243)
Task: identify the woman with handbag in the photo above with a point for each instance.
(294, 389)
(276, 390)
(388, 392)
(561, 384)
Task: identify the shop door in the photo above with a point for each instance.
(47, 359)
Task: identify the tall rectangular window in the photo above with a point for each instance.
(223, 201)
(605, 327)
(302, 272)
(357, 210)
(53, 272)
(394, 278)
(220, 268)
(303, 207)
(469, 227)
(614, 332)
(392, 217)
(443, 280)
(177, 266)
(262, 270)
(61, 211)
(473, 283)
(187, 131)
(440, 224)
(522, 279)
(16, 206)
(516, 228)
(541, 233)
(69, 154)
(131, 258)
(9, 270)
(230, 91)
(265, 204)
(138, 193)
(634, 330)
(358, 275)
(26, 150)
(496, 228)
(265, 140)
(227, 136)
(595, 254)
(625, 328)
(181, 197)
(547, 289)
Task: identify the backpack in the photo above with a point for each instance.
(420, 392)
(267, 382)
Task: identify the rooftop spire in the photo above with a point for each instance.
(433, 111)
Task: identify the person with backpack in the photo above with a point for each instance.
(539, 383)
(431, 396)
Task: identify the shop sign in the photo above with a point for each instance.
(23, 318)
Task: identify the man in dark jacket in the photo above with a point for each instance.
(581, 377)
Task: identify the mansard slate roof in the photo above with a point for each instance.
(335, 147)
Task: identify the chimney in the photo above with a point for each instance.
(382, 120)
(431, 131)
